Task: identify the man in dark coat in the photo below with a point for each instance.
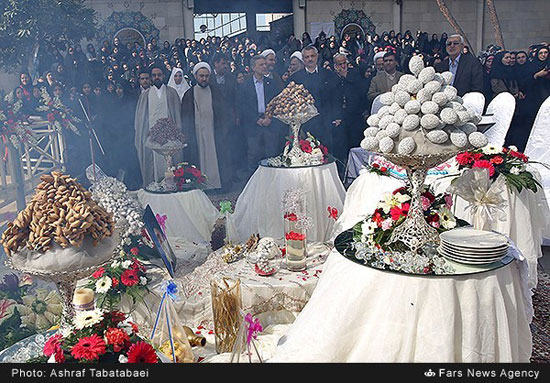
(205, 130)
(466, 68)
(319, 82)
(264, 135)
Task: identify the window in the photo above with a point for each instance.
(263, 20)
(220, 24)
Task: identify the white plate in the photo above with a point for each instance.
(480, 254)
(475, 249)
(470, 261)
(475, 239)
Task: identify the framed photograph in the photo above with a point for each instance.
(162, 246)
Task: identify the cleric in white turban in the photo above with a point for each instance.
(271, 61)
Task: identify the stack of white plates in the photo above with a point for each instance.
(473, 247)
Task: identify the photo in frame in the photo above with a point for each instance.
(161, 244)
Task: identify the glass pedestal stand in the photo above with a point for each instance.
(415, 232)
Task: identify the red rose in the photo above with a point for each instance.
(375, 165)
(497, 160)
(114, 281)
(134, 251)
(117, 338)
(464, 158)
(383, 169)
(293, 236)
(179, 172)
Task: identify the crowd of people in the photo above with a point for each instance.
(103, 87)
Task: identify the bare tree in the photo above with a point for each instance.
(447, 13)
(494, 21)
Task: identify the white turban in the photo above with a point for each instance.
(298, 55)
(268, 52)
(379, 55)
(201, 65)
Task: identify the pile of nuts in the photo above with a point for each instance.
(61, 211)
(292, 100)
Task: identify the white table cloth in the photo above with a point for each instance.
(259, 207)
(190, 214)
(528, 214)
(359, 314)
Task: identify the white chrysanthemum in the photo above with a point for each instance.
(478, 139)
(115, 264)
(103, 284)
(384, 121)
(491, 149)
(412, 107)
(429, 107)
(414, 86)
(468, 128)
(386, 145)
(433, 87)
(399, 116)
(370, 143)
(368, 227)
(84, 319)
(450, 91)
(142, 281)
(427, 74)
(381, 134)
(515, 170)
(423, 95)
(383, 111)
(402, 97)
(406, 146)
(394, 108)
(446, 218)
(373, 120)
(437, 136)
(416, 64)
(371, 131)
(459, 138)
(387, 98)
(393, 129)
(448, 77)
(397, 88)
(440, 98)
(411, 122)
(405, 79)
(127, 263)
(429, 121)
(448, 116)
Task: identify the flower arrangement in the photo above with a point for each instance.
(99, 336)
(25, 309)
(126, 275)
(376, 229)
(164, 131)
(508, 162)
(14, 125)
(57, 113)
(311, 152)
(188, 177)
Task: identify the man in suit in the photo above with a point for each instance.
(319, 82)
(466, 68)
(262, 133)
(384, 80)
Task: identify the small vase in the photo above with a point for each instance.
(295, 243)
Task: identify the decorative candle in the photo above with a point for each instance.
(83, 299)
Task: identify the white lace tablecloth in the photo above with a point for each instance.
(360, 314)
(528, 214)
(190, 214)
(275, 299)
(259, 207)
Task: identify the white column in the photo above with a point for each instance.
(188, 23)
(299, 17)
(480, 20)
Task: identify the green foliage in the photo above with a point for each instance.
(25, 24)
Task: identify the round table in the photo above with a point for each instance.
(190, 214)
(259, 207)
(361, 314)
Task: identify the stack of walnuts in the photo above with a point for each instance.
(293, 100)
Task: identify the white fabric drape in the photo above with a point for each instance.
(259, 207)
(474, 101)
(502, 107)
(359, 314)
(190, 215)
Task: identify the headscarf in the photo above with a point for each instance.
(180, 88)
(501, 71)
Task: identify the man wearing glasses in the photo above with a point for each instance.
(466, 68)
